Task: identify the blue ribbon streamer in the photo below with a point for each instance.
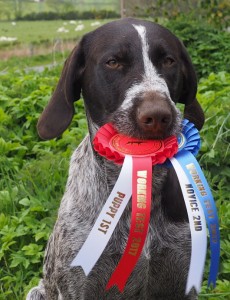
(193, 171)
(189, 145)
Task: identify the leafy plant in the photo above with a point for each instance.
(207, 45)
(214, 12)
(213, 94)
(32, 177)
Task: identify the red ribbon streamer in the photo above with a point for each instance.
(141, 207)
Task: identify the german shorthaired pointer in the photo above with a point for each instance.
(131, 73)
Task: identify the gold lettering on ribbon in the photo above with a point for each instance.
(209, 209)
(139, 217)
(213, 227)
(141, 188)
(140, 220)
(135, 244)
(194, 207)
(196, 178)
(113, 209)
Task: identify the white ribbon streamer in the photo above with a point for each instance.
(197, 227)
(107, 220)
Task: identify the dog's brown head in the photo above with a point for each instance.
(130, 72)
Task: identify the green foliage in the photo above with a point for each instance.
(69, 15)
(207, 45)
(36, 61)
(214, 94)
(17, 9)
(32, 177)
(215, 12)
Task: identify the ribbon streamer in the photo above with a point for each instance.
(107, 220)
(141, 207)
(196, 177)
(197, 228)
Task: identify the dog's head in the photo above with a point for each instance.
(131, 73)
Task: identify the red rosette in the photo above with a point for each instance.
(114, 146)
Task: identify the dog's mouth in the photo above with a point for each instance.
(151, 116)
(126, 124)
(142, 136)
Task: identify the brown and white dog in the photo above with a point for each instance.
(131, 73)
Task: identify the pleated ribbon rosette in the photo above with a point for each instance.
(137, 158)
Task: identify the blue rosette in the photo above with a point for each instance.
(189, 138)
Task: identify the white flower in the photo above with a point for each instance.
(72, 22)
(13, 23)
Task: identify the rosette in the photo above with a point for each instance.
(114, 146)
(189, 138)
(137, 157)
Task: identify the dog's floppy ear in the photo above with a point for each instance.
(59, 112)
(192, 111)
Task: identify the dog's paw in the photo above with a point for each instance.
(37, 293)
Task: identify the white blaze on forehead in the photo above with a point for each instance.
(151, 79)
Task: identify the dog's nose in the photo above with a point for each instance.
(154, 116)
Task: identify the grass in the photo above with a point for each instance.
(42, 44)
(27, 62)
(38, 32)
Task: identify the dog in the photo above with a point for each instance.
(131, 73)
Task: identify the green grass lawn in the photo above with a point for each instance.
(42, 36)
(37, 32)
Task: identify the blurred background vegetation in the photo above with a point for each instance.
(35, 39)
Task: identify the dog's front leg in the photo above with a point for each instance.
(46, 290)
(37, 293)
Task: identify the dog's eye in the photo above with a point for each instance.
(113, 64)
(168, 61)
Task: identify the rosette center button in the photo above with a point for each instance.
(136, 147)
